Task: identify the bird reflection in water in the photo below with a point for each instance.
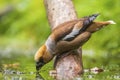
(38, 76)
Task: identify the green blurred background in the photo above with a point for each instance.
(24, 28)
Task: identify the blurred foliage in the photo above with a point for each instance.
(24, 28)
(24, 22)
(102, 40)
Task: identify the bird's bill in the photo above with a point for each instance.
(39, 65)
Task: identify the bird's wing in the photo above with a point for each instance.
(87, 21)
(62, 30)
(58, 33)
(72, 34)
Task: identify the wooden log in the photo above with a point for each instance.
(59, 11)
(68, 65)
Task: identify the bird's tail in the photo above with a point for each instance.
(98, 25)
(88, 21)
(92, 17)
(110, 22)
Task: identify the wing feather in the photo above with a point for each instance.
(87, 21)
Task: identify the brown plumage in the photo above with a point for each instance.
(68, 36)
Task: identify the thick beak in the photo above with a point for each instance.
(39, 65)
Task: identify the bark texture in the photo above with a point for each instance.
(67, 65)
(59, 11)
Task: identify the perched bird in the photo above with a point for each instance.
(68, 36)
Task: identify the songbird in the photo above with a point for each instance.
(68, 36)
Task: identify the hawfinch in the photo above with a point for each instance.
(68, 36)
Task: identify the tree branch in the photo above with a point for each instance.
(59, 11)
(69, 64)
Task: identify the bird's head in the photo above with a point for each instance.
(42, 57)
(95, 26)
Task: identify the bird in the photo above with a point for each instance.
(68, 36)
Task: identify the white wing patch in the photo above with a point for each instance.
(71, 35)
(51, 45)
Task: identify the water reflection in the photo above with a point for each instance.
(57, 77)
(93, 73)
(65, 75)
(38, 76)
(14, 78)
(18, 75)
(9, 74)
